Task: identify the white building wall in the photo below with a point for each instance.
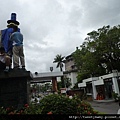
(100, 81)
(94, 90)
(115, 85)
(73, 77)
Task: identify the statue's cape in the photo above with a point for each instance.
(5, 38)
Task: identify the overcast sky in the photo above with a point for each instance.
(52, 27)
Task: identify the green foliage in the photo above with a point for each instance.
(116, 96)
(54, 104)
(59, 85)
(81, 76)
(32, 109)
(99, 54)
(84, 107)
(75, 86)
(105, 43)
(2, 110)
(67, 82)
(83, 97)
(59, 60)
(58, 104)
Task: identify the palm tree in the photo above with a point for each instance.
(59, 60)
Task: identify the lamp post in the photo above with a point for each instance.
(51, 69)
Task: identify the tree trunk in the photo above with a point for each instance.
(62, 82)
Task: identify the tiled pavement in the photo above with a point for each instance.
(106, 107)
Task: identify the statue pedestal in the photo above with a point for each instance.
(14, 88)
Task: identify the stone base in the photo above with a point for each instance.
(14, 88)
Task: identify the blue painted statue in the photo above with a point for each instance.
(5, 34)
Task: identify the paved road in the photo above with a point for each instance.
(105, 107)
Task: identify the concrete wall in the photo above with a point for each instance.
(14, 89)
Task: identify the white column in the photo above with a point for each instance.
(94, 90)
(115, 85)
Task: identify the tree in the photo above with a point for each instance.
(100, 53)
(59, 85)
(67, 82)
(107, 46)
(59, 60)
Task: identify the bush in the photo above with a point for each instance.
(115, 96)
(58, 104)
(54, 104)
(84, 107)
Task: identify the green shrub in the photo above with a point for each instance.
(58, 104)
(84, 107)
(54, 104)
(31, 109)
(115, 96)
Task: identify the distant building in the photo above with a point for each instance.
(102, 87)
(70, 70)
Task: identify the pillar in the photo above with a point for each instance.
(54, 84)
(115, 85)
(94, 90)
